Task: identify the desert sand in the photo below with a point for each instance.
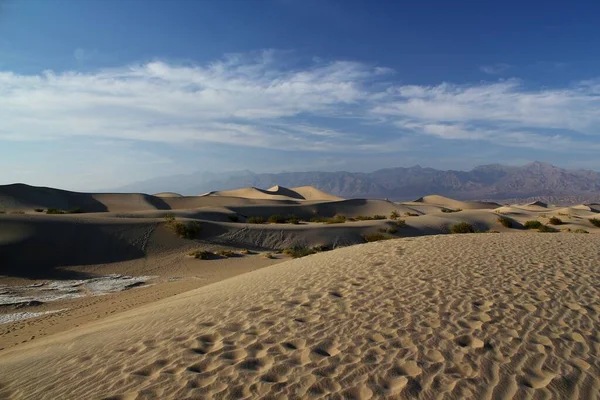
(107, 303)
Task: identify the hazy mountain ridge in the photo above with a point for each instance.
(537, 180)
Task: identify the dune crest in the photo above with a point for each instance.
(451, 203)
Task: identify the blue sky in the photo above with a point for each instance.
(97, 94)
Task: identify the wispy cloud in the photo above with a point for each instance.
(260, 100)
(495, 69)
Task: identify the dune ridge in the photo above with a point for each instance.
(473, 316)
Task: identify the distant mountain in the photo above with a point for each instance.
(537, 180)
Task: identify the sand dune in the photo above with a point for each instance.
(473, 316)
(167, 194)
(451, 203)
(312, 193)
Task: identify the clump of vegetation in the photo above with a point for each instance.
(276, 219)
(411, 214)
(595, 222)
(580, 231)
(246, 252)
(322, 247)
(505, 222)
(201, 254)
(38, 209)
(547, 229)
(76, 210)
(393, 230)
(318, 219)
(225, 253)
(186, 231)
(233, 218)
(17, 212)
(54, 211)
(298, 251)
(280, 219)
(255, 220)
(394, 215)
(532, 225)
(338, 219)
(462, 227)
(183, 230)
(449, 210)
(555, 221)
(375, 237)
(369, 218)
(400, 223)
(270, 256)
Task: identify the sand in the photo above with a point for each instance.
(471, 316)
(108, 304)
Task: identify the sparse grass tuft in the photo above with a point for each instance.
(233, 218)
(246, 252)
(532, 225)
(555, 221)
(400, 223)
(201, 254)
(225, 253)
(170, 218)
(375, 237)
(394, 215)
(322, 247)
(595, 222)
(449, 210)
(505, 222)
(338, 219)
(297, 252)
(255, 220)
(54, 211)
(462, 227)
(270, 256)
(38, 209)
(411, 214)
(580, 231)
(547, 229)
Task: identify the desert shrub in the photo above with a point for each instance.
(580, 231)
(462, 227)
(233, 218)
(292, 219)
(270, 256)
(38, 209)
(186, 231)
(595, 222)
(318, 219)
(322, 247)
(76, 210)
(400, 223)
(532, 225)
(246, 252)
(449, 210)
(256, 220)
(298, 251)
(225, 253)
(338, 219)
(547, 229)
(170, 218)
(394, 215)
(505, 222)
(369, 218)
(54, 211)
(201, 254)
(555, 221)
(17, 212)
(276, 219)
(411, 214)
(375, 237)
(392, 230)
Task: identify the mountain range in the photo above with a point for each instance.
(530, 182)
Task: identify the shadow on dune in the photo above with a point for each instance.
(49, 245)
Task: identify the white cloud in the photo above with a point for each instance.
(495, 69)
(256, 100)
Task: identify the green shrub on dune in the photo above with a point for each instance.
(462, 227)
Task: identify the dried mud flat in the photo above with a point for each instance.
(467, 316)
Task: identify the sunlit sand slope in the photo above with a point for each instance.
(473, 316)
